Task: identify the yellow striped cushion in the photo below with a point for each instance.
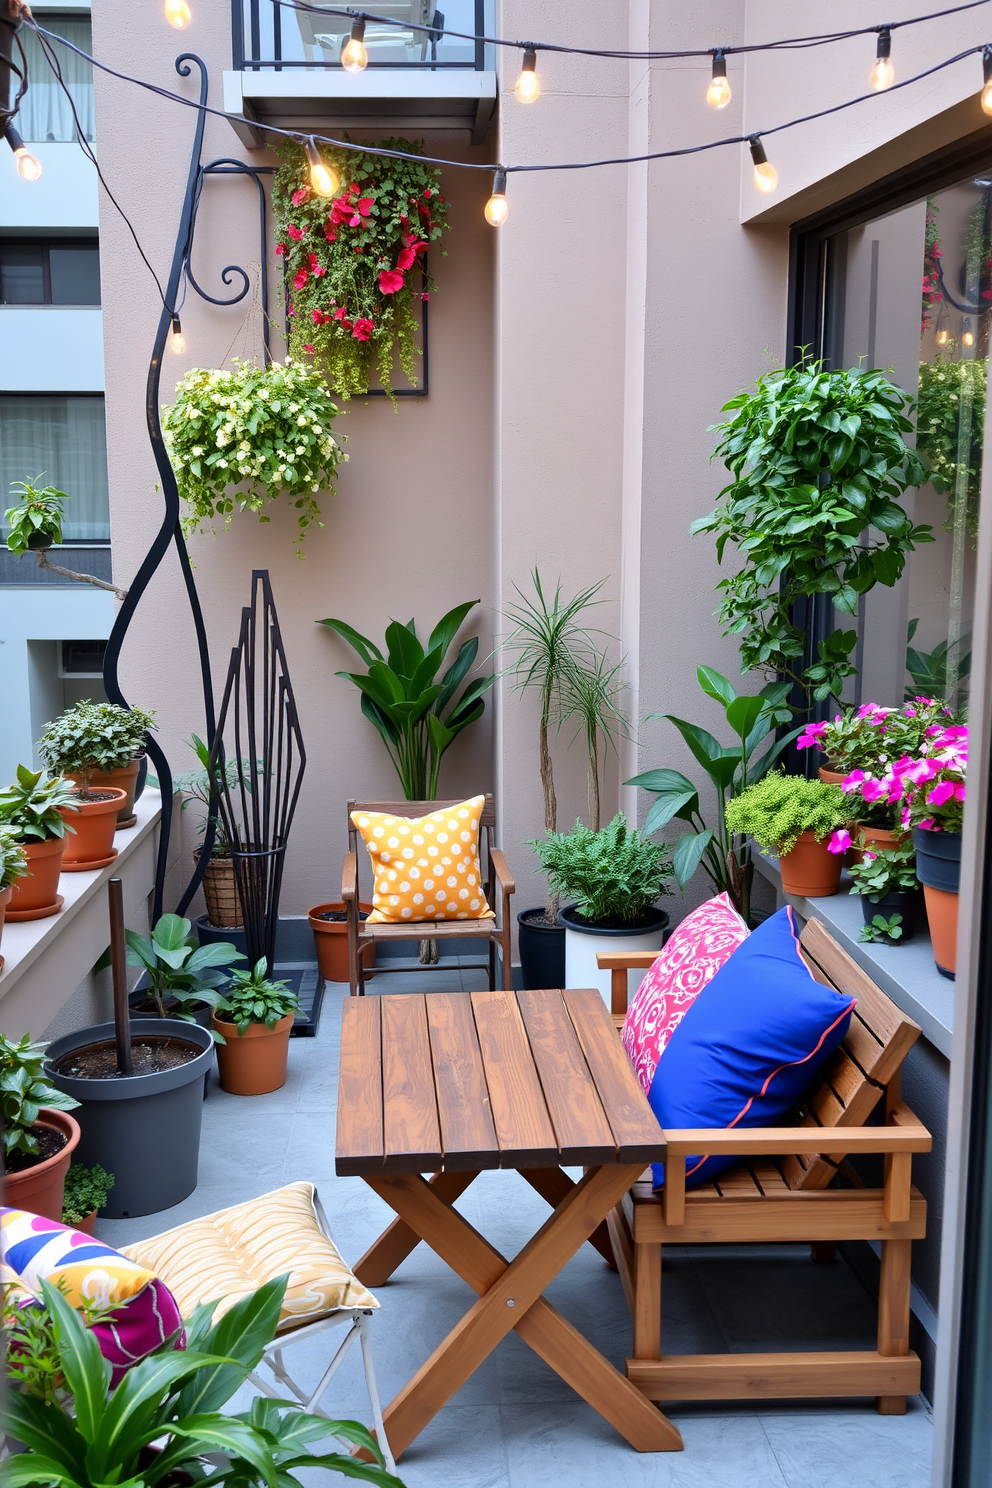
(226, 1255)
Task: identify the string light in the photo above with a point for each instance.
(28, 166)
(177, 340)
(941, 338)
(967, 335)
(718, 94)
(354, 54)
(528, 85)
(987, 79)
(497, 207)
(324, 179)
(883, 74)
(765, 174)
(178, 14)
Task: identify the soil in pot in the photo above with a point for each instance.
(49, 1143)
(150, 1055)
(253, 1062)
(329, 923)
(542, 950)
(36, 895)
(122, 777)
(91, 844)
(810, 870)
(36, 1181)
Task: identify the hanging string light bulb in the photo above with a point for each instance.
(765, 174)
(941, 337)
(28, 166)
(967, 334)
(497, 207)
(883, 74)
(176, 338)
(528, 86)
(178, 14)
(718, 94)
(324, 179)
(354, 54)
(987, 79)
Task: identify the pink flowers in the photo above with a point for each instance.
(407, 257)
(810, 735)
(350, 213)
(296, 233)
(316, 267)
(300, 195)
(363, 329)
(300, 278)
(280, 249)
(840, 841)
(390, 281)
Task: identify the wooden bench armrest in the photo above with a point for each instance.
(626, 960)
(502, 872)
(349, 877)
(787, 1141)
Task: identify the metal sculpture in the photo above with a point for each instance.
(257, 761)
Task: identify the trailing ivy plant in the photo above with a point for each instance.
(950, 429)
(818, 460)
(355, 262)
(243, 438)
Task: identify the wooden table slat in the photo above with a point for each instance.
(583, 1132)
(523, 1127)
(359, 1144)
(638, 1136)
(411, 1133)
(468, 1136)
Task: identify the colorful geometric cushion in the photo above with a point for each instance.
(36, 1249)
(693, 954)
(226, 1255)
(750, 1043)
(426, 867)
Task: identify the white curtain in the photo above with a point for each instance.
(45, 113)
(63, 439)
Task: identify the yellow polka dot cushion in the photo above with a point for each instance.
(425, 867)
(226, 1255)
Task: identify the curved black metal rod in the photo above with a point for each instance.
(225, 273)
(961, 305)
(227, 166)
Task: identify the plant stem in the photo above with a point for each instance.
(68, 573)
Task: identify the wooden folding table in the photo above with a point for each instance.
(452, 1084)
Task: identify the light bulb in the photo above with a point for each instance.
(883, 74)
(28, 167)
(497, 207)
(967, 339)
(354, 55)
(177, 340)
(987, 97)
(987, 79)
(324, 179)
(178, 14)
(941, 338)
(528, 86)
(718, 94)
(765, 174)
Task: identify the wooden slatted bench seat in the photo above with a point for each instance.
(792, 1184)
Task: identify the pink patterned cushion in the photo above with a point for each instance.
(696, 950)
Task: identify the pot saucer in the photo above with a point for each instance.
(86, 867)
(36, 914)
(129, 821)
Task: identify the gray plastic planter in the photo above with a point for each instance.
(144, 1129)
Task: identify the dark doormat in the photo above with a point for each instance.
(308, 984)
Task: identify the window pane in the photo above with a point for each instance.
(75, 274)
(45, 113)
(63, 440)
(22, 274)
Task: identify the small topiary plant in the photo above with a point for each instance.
(94, 736)
(777, 810)
(614, 875)
(86, 1189)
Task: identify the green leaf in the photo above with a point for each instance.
(662, 780)
(448, 626)
(669, 804)
(87, 1373)
(718, 762)
(366, 649)
(688, 852)
(404, 653)
(715, 686)
(743, 713)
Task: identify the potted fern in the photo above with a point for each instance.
(615, 877)
(796, 819)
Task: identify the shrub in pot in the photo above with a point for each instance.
(99, 747)
(183, 978)
(253, 1033)
(885, 878)
(13, 865)
(797, 819)
(86, 1191)
(39, 1136)
(32, 809)
(615, 876)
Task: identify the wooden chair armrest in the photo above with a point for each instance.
(503, 874)
(626, 960)
(349, 877)
(785, 1141)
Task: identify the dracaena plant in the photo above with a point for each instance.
(180, 973)
(24, 1090)
(166, 1415)
(418, 713)
(724, 856)
(32, 806)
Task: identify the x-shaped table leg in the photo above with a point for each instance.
(510, 1298)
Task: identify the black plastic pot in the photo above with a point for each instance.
(900, 901)
(542, 950)
(200, 1010)
(938, 859)
(208, 934)
(39, 540)
(144, 1129)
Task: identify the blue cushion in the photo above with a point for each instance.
(750, 1043)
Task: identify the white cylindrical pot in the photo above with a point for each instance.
(584, 941)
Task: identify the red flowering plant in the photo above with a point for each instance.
(355, 263)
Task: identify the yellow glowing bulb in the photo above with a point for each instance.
(987, 97)
(28, 168)
(497, 209)
(527, 86)
(883, 74)
(324, 179)
(765, 176)
(177, 340)
(718, 94)
(178, 14)
(354, 56)
(941, 338)
(968, 339)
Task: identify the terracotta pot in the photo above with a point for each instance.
(810, 870)
(870, 837)
(832, 777)
(253, 1062)
(331, 940)
(87, 1225)
(220, 890)
(124, 777)
(39, 1189)
(942, 917)
(5, 897)
(92, 843)
(35, 896)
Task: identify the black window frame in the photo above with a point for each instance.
(47, 243)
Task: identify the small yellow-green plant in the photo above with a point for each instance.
(777, 810)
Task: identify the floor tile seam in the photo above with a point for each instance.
(786, 1480)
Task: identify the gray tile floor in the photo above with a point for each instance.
(515, 1424)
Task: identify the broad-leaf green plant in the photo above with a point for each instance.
(885, 870)
(614, 875)
(195, 786)
(167, 1415)
(939, 673)
(32, 806)
(180, 973)
(13, 858)
(777, 810)
(819, 462)
(24, 1090)
(724, 858)
(35, 520)
(253, 998)
(94, 736)
(417, 713)
(888, 929)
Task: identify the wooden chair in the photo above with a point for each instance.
(787, 1189)
(494, 872)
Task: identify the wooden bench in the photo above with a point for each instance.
(793, 1183)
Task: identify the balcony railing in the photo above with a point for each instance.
(273, 37)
